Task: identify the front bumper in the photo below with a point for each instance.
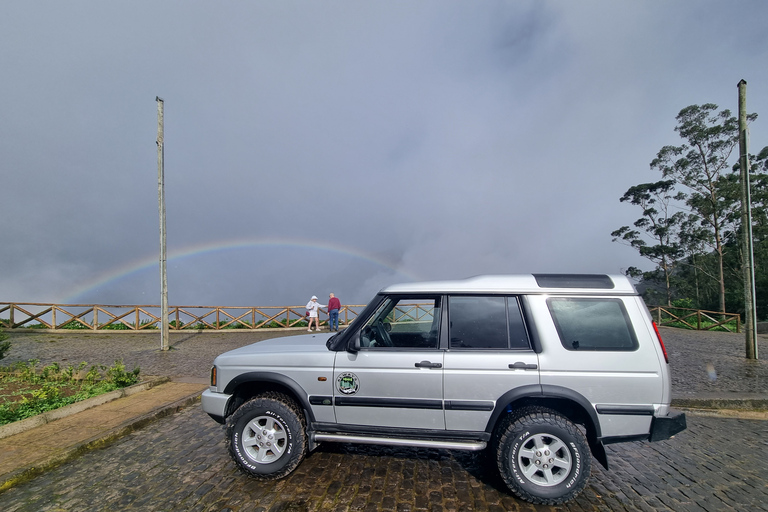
(215, 404)
(664, 427)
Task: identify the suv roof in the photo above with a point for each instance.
(524, 283)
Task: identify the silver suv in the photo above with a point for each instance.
(540, 370)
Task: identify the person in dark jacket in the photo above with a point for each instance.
(334, 305)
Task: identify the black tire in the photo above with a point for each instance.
(266, 436)
(542, 457)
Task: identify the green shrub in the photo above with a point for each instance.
(117, 375)
(47, 386)
(5, 346)
(684, 303)
(73, 325)
(117, 326)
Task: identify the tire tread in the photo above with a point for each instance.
(300, 438)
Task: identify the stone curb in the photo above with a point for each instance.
(740, 414)
(98, 441)
(731, 404)
(41, 419)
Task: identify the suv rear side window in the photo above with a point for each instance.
(486, 322)
(592, 324)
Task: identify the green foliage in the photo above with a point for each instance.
(690, 226)
(684, 303)
(53, 386)
(74, 325)
(120, 378)
(5, 346)
(117, 326)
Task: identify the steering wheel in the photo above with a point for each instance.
(383, 334)
(368, 336)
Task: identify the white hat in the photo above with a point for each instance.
(314, 297)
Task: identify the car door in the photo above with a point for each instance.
(395, 379)
(489, 359)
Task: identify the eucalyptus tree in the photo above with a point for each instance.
(701, 164)
(657, 224)
(759, 198)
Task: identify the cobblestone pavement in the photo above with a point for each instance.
(180, 463)
(191, 353)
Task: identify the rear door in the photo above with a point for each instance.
(489, 358)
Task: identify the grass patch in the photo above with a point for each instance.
(27, 392)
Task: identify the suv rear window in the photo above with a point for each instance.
(592, 324)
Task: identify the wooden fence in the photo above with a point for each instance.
(137, 318)
(697, 319)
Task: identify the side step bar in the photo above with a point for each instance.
(389, 441)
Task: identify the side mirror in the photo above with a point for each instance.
(354, 344)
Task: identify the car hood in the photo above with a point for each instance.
(304, 350)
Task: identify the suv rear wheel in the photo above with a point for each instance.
(266, 436)
(542, 456)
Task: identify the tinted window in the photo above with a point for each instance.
(402, 322)
(484, 323)
(574, 281)
(592, 324)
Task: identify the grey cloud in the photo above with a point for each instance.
(443, 138)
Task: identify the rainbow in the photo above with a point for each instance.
(277, 243)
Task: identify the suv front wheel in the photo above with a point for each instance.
(542, 456)
(266, 436)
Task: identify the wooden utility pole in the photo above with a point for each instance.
(164, 331)
(750, 308)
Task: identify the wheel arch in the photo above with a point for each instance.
(247, 385)
(567, 402)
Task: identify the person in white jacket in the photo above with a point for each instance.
(314, 307)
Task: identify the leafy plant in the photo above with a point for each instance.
(53, 386)
(74, 325)
(120, 378)
(5, 346)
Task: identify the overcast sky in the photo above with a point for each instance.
(318, 146)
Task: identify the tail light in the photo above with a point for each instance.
(658, 337)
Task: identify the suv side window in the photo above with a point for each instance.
(403, 322)
(592, 324)
(486, 322)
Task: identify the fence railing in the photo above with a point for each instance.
(136, 318)
(697, 319)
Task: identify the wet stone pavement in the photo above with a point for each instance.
(181, 463)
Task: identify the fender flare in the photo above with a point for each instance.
(548, 391)
(273, 378)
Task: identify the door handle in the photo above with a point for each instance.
(522, 366)
(428, 364)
